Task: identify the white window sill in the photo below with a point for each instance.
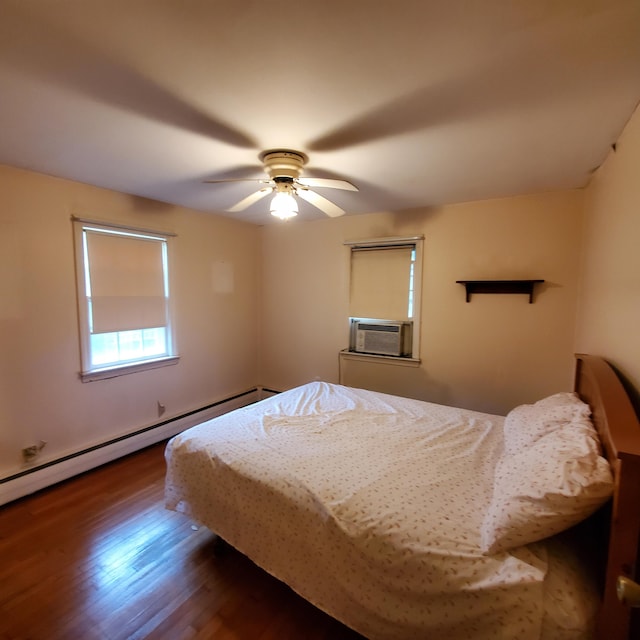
(372, 357)
(122, 370)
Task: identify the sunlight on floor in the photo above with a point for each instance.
(120, 553)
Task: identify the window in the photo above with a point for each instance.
(123, 299)
(385, 281)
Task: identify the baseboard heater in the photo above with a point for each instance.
(50, 472)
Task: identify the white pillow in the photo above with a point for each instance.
(526, 424)
(549, 486)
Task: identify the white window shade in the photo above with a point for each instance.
(380, 281)
(126, 277)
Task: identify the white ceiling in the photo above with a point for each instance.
(417, 102)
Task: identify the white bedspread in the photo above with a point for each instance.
(369, 506)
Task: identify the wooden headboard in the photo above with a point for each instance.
(615, 419)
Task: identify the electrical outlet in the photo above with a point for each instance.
(29, 454)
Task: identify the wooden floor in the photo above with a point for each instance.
(98, 557)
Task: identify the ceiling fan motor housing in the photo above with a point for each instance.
(283, 163)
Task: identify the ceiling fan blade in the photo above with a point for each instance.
(262, 180)
(249, 200)
(332, 210)
(328, 183)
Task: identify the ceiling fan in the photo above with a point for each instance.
(284, 168)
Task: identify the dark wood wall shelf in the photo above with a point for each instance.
(499, 286)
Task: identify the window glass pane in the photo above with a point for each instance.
(154, 342)
(104, 348)
(124, 346)
(130, 343)
(412, 270)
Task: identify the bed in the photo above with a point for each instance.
(406, 519)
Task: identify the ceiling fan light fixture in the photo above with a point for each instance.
(284, 168)
(283, 206)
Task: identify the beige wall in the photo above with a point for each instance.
(41, 396)
(609, 312)
(490, 354)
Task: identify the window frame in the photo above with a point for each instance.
(89, 372)
(414, 301)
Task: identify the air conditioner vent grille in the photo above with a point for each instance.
(388, 338)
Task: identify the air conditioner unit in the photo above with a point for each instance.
(381, 337)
